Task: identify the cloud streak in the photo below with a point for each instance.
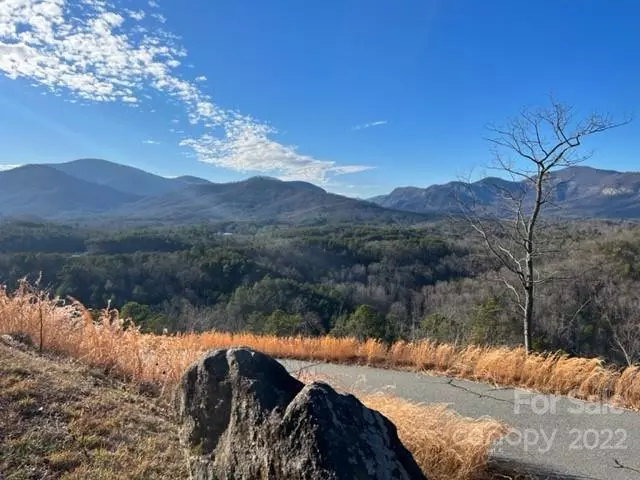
(370, 124)
(92, 50)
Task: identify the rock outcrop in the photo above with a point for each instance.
(17, 341)
(244, 417)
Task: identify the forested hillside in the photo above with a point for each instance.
(386, 282)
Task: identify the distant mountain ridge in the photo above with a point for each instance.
(124, 178)
(99, 191)
(578, 192)
(44, 191)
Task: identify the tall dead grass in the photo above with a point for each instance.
(113, 343)
(445, 445)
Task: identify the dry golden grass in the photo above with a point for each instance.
(110, 343)
(445, 445)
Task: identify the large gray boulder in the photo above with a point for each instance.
(244, 417)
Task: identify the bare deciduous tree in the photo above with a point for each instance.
(530, 148)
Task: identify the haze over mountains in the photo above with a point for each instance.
(94, 191)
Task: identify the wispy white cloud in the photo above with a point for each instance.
(151, 142)
(7, 166)
(370, 124)
(153, 4)
(160, 17)
(90, 50)
(248, 148)
(136, 14)
(201, 78)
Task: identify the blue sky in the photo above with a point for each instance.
(356, 96)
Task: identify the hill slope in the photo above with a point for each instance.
(123, 177)
(599, 193)
(43, 191)
(259, 199)
(577, 192)
(61, 419)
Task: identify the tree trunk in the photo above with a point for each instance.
(529, 278)
(528, 318)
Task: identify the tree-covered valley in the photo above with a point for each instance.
(435, 280)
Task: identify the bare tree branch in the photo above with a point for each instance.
(529, 149)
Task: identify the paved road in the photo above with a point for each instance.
(554, 437)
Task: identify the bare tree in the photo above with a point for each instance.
(626, 338)
(530, 148)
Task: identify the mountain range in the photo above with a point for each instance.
(99, 191)
(576, 192)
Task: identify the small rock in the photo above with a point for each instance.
(12, 342)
